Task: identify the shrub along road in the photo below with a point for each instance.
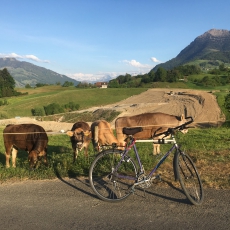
(70, 204)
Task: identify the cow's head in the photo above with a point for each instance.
(35, 156)
(79, 136)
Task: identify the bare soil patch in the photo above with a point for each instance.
(201, 105)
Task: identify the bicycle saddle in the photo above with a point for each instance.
(131, 131)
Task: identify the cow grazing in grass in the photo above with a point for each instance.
(29, 137)
(102, 134)
(150, 122)
(80, 137)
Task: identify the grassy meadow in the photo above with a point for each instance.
(209, 147)
(43, 96)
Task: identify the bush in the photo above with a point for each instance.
(53, 108)
(71, 106)
(38, 111)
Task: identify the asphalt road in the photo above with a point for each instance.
(70, 204)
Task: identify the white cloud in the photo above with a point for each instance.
(28, 56)
(107, 76)
(101, 77)
(137, 64)
(92, 77)
(155, 60)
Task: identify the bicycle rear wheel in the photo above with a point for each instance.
(109, 181)
(189, 178)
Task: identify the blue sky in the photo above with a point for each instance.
(93, 39)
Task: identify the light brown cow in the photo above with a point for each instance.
(102, 134)
(80, 137)
(150, 122)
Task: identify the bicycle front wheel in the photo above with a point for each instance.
(189, 178)
(112, 178)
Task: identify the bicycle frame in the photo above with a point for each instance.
(172, 140)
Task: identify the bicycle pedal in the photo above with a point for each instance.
(158, 177)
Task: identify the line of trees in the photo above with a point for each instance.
(221, 76)
(161, 75)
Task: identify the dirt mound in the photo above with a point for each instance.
(201, 105)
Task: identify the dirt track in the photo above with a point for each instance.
(201, 105)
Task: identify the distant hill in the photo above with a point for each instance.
(27, 73)
(212, 46)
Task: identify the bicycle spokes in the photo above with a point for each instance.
(189, 179)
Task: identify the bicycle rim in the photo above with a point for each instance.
(110, 184)
(189, 179)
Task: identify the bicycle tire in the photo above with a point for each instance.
(105, 182)
(189, 178)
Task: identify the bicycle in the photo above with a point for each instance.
(113, 174)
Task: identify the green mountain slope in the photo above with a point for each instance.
(27, 73)
(212, 45)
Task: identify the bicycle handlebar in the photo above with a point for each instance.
(171, 131)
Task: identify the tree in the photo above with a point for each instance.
(160, 74)
(172, 75)
(113, 83)
(40, 84)
(227, 102)
(7, 84)
(145, 79)
(27, 86)
(221, 67)
(67, 84)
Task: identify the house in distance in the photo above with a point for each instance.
(103, 85)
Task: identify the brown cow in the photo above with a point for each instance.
(80, 137)
(102, 134)
(29, 137)
(150, 122)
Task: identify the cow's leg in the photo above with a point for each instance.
(156, 149)
(14, 156)
(75, 155)
(7, 153)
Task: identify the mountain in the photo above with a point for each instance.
(211, 46)
(27, 73)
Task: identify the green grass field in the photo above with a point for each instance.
(43, 96)
(210, 154)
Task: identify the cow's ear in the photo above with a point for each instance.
(70, 133)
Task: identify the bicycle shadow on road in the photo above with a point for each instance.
(84, 183)
(167, 197)
(162, 190)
